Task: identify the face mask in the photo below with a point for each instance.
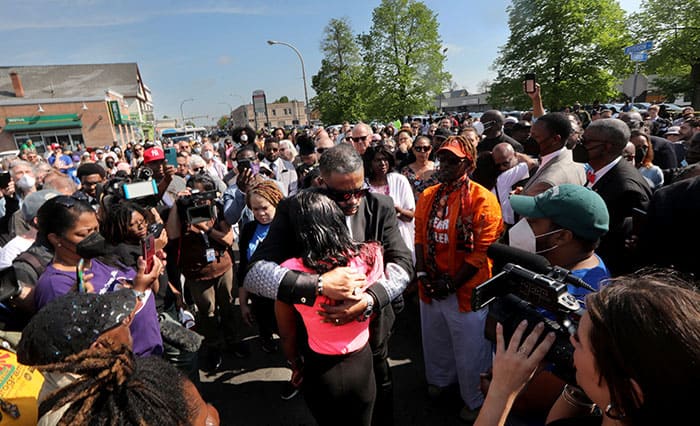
(26, 182)
(522, 237)
(208, 155)
(244, 138)
(197, 150)
(92, 246)
(639, 155)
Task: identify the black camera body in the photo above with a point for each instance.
(194, 209)
(139, 188)
(515, 294)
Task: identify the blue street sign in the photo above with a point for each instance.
(639, 56)
(640, 47)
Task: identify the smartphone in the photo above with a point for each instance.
(148, 251)
(81, 275)
(242, 165)
(140, 189)
(4, 179)
(170, 156)
(530, 81)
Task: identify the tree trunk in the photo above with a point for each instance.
(695, 78)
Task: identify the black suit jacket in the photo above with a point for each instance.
(623, 189)
(671, 219)
(375, 220)
(664, 153)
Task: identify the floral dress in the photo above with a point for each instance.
(418, 185)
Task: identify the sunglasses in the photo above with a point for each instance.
(343, 196)
(321, 150)
(359, 138)
(425, 148)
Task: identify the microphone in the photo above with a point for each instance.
(534, 262)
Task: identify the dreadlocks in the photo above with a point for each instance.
(115, 388)
(115, 225)
(266, 189)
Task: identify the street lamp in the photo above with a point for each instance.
(303, 75)
(182, 115)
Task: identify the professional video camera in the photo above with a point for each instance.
(140, 188)
(538, 294)
(194, 208)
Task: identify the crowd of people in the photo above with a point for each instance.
(121, 266)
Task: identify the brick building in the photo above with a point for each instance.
(94, 104)
(280, 114)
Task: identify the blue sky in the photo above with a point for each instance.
(215, 51)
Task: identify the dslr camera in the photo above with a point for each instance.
(194, 208)
(517, 293)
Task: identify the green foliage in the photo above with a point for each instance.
(576, 48)
(282, 100)
(675, 30)
(223, 122)
(394, 70)
(338, 82)
(404, 52)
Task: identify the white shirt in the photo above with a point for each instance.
(600, 173)
(12, 249)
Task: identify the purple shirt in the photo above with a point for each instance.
(145, 328)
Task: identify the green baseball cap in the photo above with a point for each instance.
(574, 207)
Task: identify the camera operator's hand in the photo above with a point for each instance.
(439, 288)
(9, 190)
(169, 172)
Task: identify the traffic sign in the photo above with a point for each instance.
(640, 47)
(639, 56)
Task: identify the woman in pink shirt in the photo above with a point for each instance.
(334, 366)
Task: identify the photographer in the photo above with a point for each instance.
(169, 184)
(205, 260)
(636, 353)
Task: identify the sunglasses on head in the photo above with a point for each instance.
(69, 201)
(342, 196)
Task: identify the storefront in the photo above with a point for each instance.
(64, 129)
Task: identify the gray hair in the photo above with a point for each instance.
(17, 163)
(612, 131)
(342, 159)
(197, 161)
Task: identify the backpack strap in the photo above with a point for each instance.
(32, 260)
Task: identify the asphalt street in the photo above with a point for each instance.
(247, 391)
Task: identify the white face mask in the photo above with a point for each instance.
(244, 138)
(522, 236)
(26, 182)
(208, 155)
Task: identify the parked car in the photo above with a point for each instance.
(672, 107)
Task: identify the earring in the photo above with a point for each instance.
(613, 412)
(58, 245)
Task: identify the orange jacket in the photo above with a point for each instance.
(487, 225)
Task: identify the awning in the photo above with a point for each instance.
(42, 122)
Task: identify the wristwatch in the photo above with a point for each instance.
(369, 310)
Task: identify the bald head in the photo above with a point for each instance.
(493, 123)
(504, 156)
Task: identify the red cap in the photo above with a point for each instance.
(54, 146)
(153, 153)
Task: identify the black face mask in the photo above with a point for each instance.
(92, 246)
(639, 155)
(580, 153)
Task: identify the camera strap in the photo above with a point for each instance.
(210, 253)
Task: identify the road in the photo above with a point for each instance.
(246, 391)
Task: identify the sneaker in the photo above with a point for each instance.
(467, 415)
(289, 391)
(211, 361)
(269, 345)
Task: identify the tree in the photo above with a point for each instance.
(223, 122)
(675, 30)
(338, 84)
(576, 48)
(282, 100)
(403, 55)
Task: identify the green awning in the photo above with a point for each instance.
(42, 122)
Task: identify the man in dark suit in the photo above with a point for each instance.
(370, 217)
(620, 185)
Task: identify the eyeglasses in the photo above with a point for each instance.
(343, 196)
(197, 169)
(450, 161)
(424, 148)
(359, 138)
(272, 149)
(141, 223)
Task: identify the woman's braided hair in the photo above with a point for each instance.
(115, 388)
(266, 189)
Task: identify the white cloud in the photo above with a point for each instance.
(224, 60)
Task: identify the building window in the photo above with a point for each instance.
(274, 112)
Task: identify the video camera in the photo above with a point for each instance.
(517, 293)
(194, 209)
(140, 188)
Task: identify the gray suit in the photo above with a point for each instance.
(560, 169)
